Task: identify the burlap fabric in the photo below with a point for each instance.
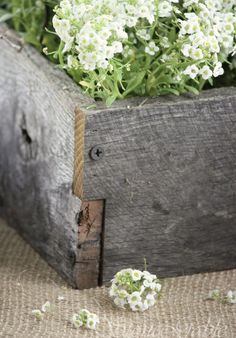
(26, 282)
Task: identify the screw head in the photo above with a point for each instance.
(96, 153)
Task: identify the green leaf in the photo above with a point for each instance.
(136, 80)
(192, 89)
(169, 91)
(210, 81)
(5, 17)
(110, 100)
(86, 84)
(172, 35)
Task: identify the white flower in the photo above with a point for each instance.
(92, 321)
(120, 302)
(62, 28)
(134, 298)
(186, 49)
(85, 319)
(144, 306)
(188, 3)
(231, 297)
(60, 298)
(76, 321)
(158, 287)
(144, 34)
(125, 285)
(148, 276)
(46, 307)
(218, 70)
(150, 300)
(97, 29)
(196, 53)
(152, 48)
(113, 290)
(136, 275)
(147, 283)
(191, 71)
(164, 9)
(72, 62)
(37, 314)
(106, 36)
(206, 72)
(123, 294)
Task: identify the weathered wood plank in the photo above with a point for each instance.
(168, 175)
(89, 259)
(37, 103)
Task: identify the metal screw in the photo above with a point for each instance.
(96, 153)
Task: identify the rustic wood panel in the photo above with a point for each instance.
(168, 175)
(89, 259)
(37, 103)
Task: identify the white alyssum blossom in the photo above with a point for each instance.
(46, 307)
(134, 289)
(218, 70)
(206, 72)
(191, 71)
(96, 29)
(231, 297)
(38, 314)
(165, 9)
(85, 319)
(60, 298)
(152, 49)
(178, 45)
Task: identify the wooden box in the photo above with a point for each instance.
(97, 190)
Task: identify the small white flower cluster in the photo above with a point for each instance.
(229, 298)
(115, 48)
(134, 289)
(166, 8)
(38, 314)
(93, 30)
(85, 319)
(207, 33)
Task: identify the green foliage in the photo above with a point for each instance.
(29, 18)
(138, 73)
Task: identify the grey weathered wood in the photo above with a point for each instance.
(37, 103)
(168, 176)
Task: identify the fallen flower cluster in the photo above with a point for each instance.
(135, 289)
(85, 319)
(229, 298)
(38, 314)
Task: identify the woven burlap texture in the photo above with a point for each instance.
(26, 282)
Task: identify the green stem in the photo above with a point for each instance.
(60, 53)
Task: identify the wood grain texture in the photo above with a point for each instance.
(168, 176)
(37, 103)
(89, 259)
